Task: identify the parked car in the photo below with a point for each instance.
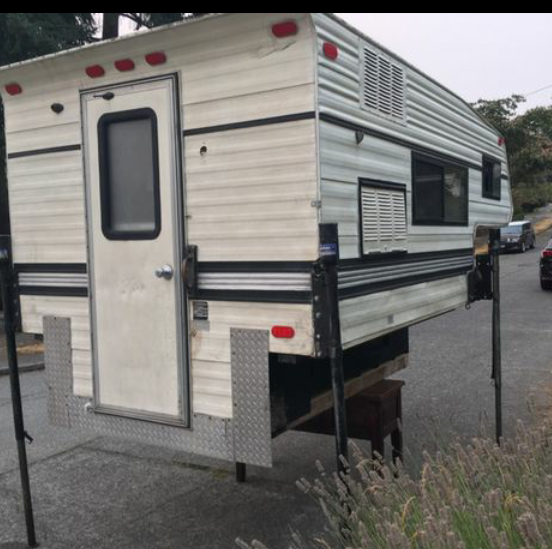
(518, 236)
(546, 267)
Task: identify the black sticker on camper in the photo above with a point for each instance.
(201, 310)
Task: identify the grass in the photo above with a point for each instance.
(476, 496)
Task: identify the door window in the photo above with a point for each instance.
(129, 175)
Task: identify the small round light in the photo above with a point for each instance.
(95, 71)
(124, 65)
(156, 58)
(285, 28)
(13, 88)
(330, 51)
(283, 332)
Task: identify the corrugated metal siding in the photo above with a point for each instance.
(249, 196)
(233, 70)
(47, 209)
(369, 317)
(435, 119)
(210, 351)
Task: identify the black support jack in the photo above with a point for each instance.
(494, 246)
(21, 436)
(484, 284)
(329, 259)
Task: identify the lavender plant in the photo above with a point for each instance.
(476, 496)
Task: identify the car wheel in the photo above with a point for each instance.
(522, 248)
(546, 284)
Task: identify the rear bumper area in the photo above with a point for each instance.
(510, 246)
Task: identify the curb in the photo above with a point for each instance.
(4, 371)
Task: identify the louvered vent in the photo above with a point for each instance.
(383, 87)
(383, 219)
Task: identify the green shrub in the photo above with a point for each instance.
(476, 496)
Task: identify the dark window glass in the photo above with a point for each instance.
(129, 175)
(428, 196)
(440, 193)
(455, 192)
(492, 183)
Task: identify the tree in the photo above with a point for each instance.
(110, 27)
(26, 35)
(529, 144)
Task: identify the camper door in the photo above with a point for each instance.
(135, 250)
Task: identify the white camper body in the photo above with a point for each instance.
(167, 192)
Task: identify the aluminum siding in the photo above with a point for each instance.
(248, 198)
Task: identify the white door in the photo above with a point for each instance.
(135, 250)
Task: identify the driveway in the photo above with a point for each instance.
(106, 493)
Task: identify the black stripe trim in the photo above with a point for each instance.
(400, 258)
(331, 119)
(53, 291)
(373, 288)
(50, 150)
(309, 115)
(255, 266)
(259, 296)
(66, 268)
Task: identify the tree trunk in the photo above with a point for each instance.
(110, 27)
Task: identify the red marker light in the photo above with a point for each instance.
(330, 51)
(124, 65)
(501, 141)
(13, 88)
(285, 28)
(283, 332)
(156, 58)
(95, 71)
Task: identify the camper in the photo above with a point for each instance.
(217, 223)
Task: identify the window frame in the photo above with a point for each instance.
(103, 157)
(485, 192)
(442, 164)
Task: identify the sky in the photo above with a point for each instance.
(476, 55)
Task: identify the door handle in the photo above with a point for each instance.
(189, 269)
(166, 272)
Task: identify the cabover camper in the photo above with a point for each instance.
(217, 223)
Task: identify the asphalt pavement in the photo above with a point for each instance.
(106, 493)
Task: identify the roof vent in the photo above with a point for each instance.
(383, 88)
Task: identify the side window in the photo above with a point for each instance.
(129, 175)
(439, 192)
(382, 217)
(492, 184)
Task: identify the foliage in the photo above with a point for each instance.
(26, 35)
(529, 143)
(479, 496)
(148, 20)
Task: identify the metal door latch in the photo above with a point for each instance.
(166, 272)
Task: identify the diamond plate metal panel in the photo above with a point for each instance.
(209, 436)
(251, 395)
(59, 370)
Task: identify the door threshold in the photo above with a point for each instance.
(137, 415)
